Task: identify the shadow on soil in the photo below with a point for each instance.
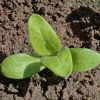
(18, 87)
(80, 20)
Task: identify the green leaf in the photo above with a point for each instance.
(43, 38)
(60, 64)
(20, 66)
(84, 59)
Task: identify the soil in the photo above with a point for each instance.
(77, 23)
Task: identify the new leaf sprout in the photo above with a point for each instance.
(51, 55)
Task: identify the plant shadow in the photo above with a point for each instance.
(12, 86)
(81, 21)
(50, 77)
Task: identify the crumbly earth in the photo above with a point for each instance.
(77, 23)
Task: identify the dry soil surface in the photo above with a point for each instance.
(77, 23)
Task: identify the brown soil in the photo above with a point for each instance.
(77, 22)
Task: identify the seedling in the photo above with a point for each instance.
(51, 55)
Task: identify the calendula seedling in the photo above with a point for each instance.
(45, 42)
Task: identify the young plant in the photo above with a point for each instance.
(45, 42)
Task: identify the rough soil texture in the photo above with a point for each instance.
(77, 22)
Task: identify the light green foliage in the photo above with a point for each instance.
(60, 64)
(20, 66)
(98, 3)
(47, 44)
(84, 59)
(43, 38)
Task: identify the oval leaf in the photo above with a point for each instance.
(60, 64)
(20, 66)
(84, 59)
(43, 38)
